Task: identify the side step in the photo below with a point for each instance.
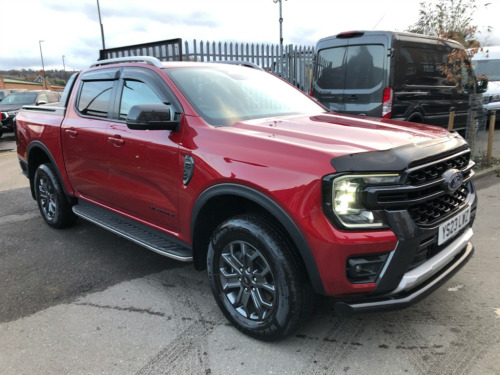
(136, 232)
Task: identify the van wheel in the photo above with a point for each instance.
(256, 278)
(52, 202)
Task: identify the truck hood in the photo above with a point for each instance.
(341, 134)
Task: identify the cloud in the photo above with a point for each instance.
(129, 12)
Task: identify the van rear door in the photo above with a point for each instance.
(352, 72)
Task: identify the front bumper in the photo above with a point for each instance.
(417, 283)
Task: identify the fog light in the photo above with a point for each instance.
(365, 269)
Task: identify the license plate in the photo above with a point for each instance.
(451, 227)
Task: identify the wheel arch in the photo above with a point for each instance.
(416, 116)
(223, 201)
(39, 154)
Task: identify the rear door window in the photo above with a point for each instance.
(352, 67)
(95, 98)
(331, 73)
(364, 67)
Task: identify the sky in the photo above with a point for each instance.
(71, 28)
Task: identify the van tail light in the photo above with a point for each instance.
(311, 92)
(387, 102)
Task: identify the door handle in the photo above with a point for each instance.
(116, 140)
(71, 132)
(352, 97)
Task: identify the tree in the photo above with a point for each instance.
(453, 19)
(448, 19)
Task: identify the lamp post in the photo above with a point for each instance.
(43, 66)
(100, 22)
(281, 22)
(281, 61)
(64, 68)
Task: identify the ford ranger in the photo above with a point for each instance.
(235, 170)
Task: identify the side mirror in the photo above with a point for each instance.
(155, 116)
(41, 102)
(482, 85)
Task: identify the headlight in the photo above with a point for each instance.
(344, 199)
(495, 98)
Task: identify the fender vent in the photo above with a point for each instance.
(188, 170)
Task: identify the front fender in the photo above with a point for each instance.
(275, 210)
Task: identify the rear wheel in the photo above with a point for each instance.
(52, 202)
(256, 278)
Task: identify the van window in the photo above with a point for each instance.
(420, 66)
(489, 67)
(331, 68)
(352, 67)
(364, 66)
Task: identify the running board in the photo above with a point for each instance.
(141, 234)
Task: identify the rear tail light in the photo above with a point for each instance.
(387, 102)
(311, 92)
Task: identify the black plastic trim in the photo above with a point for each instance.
(399, 158)
(275, 210)
(404, 300)
(40, 145)
(409, 237)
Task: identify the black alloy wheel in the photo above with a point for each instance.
(52, 201)
(257, 279)
(247, 280)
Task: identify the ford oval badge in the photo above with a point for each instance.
(453, 179)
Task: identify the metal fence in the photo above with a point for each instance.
(292, 63)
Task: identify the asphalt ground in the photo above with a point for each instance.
(84, 301)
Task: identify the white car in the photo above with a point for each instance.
(488, 62)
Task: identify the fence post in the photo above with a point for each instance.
(451, 119)
(489, 152)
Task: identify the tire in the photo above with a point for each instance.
(52, 201)
(257, 279)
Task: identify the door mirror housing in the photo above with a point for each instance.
(154, 116)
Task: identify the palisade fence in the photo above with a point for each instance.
(292, 63)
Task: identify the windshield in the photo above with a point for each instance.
(226, 94)
(20, 98)
(489, 67)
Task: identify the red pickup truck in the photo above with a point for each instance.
(237, 171)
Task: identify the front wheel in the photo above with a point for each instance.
(52, 201)
(257, 279)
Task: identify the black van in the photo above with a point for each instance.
(390, 75)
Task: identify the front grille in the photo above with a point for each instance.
(434, 171)
(422, 193)
(431, 211)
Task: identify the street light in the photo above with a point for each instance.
(100, 22)
(43, 66)
(64, 68)
(281, 23)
